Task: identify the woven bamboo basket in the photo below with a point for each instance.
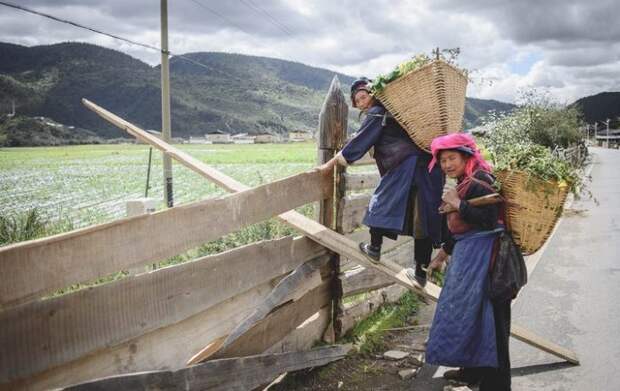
(533, 208)
(428, 102)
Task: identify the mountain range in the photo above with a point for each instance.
(233, 93)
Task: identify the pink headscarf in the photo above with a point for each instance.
(454, 141)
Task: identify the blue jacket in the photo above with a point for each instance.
(402, 165)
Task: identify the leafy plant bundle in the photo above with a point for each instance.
(536, 160)
(415, 63)
(400, 70)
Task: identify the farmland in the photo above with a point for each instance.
(89, 184)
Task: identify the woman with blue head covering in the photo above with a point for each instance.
(408, 196)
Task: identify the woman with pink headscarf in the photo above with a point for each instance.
(469, 330)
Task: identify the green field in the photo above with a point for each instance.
(89, 184)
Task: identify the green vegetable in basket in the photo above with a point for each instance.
(402, 69)
(537, 161)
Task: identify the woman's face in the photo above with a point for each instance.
(452, 163)
(362, 100)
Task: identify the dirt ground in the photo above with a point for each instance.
(372, 371)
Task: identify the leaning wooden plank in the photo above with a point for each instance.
(361, 181)
(323, 235)
(269, 330)
(357, 281)
(31, 269)
(121, 310)
(362, 235)
(185, 159)
(537, 341)
(292, 287)
(163, 348)
(240, 373)
(306, 334)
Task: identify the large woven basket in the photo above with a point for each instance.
(533, 208)
(428, 102)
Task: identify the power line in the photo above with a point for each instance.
(220, 15)
(256, 8)
(79, 25)
(144, 45)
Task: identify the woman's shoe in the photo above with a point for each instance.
(462, 375)
(373, 253)
(413, 276)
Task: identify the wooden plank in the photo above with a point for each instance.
(271, 329)
(332, 133)
(361, 310)
(303, 279)
(352, 210)
(31, 269)
(363, 181)
(537, 341)
(362, 235)
(184, 158)
(344, 246)
(241, 373)
(39, 335)
(363, 279)
(164, 348)
(306, 334)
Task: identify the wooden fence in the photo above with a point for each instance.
(253, 311)
(158, 320)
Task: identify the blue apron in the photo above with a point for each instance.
(463, 330)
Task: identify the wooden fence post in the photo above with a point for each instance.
(331, 137)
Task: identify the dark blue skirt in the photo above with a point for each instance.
(388, 205)
(463, 330)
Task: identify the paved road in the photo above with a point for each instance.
(573, 296)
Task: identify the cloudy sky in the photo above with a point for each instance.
(566, 47)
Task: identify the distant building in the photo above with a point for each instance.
(198, 140)
(218, 137)
(299, 135)
(243, 138)
(265, 138)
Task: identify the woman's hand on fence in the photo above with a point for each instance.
(327, 169)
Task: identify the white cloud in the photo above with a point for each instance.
(558, 45)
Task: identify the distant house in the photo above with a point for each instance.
(299, 135)
(265, 138)
(243, 138)
(197, 140)
(218, 137)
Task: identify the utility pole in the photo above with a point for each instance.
(596, 133)
(165, 103)
(607, 143)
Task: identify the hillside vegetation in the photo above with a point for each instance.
(232, 92)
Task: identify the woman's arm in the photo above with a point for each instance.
(365, 138)
(359, 145)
